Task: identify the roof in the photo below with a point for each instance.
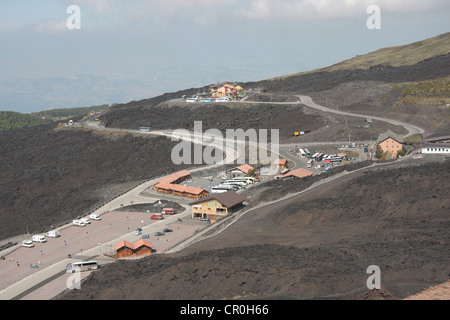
(179, 188)
(175, 176)
(134, 246)
(389, 134)
(124, 243)
(436, 145)
(299, 173)
(227, 199)
(141, 243)
(244, 168)
(436, 137)
(280, 161)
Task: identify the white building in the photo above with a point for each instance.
(436, 143)
(436, 148)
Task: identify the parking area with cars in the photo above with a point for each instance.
(95, 238)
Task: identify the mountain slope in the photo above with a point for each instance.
(397, 56)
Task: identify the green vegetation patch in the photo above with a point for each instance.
(14, 120)
(431, 92)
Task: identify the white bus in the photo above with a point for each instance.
(230, 186)
(302, 153)
(241, 183)
(310, 163)
(219, 189)
(308, 153)
(245, 179)
(81, 266)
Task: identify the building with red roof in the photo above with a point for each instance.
(126, 248)
(280, 163)
(298, 173)
(169, 185)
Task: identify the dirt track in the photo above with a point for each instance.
(315, 245)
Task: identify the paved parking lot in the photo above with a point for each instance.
(94, 239)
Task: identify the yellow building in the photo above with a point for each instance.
(217, 205)
(391, 143)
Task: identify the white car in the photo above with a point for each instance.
(95, 217)
(223, 99)
(27, 244)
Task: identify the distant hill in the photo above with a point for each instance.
(10, 120)
(398, 56)
(14, 120)
(65, 113)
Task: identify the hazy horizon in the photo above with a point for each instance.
(131, 51)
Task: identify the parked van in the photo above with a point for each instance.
(95, 217)
(53, 234)
(78, 223)
(85, 220)
(38, 238)
(27, 244)
(222, 99)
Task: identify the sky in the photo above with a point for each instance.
(116, 51)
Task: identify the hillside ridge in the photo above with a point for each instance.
(396, 56)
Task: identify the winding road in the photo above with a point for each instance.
(134, 194)
(412, 129)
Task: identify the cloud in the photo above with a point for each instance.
(46, 26)
(153, 11)
(331, 9)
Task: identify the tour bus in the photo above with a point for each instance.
(226, 186)
(218, 189)
(246, 179)
(308, 153)
(81, 266)
(230, 186)
(310, 163)
(241, 183)
(302, 153)
(318, 157)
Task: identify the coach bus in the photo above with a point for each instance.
(308, 153)
(302, 153)
(245, 179)
(220, 189)
(81, 266)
